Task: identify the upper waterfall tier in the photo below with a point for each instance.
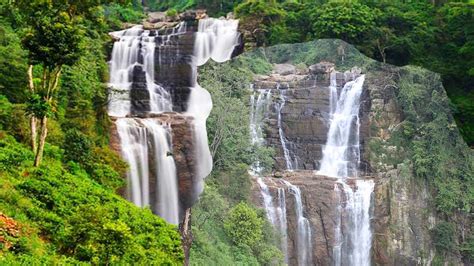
(298, 119)
(341, 154)
(216, 39)
(153, 71)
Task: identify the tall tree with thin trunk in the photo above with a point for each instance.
(53, 39)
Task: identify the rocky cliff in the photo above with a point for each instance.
(407, 140)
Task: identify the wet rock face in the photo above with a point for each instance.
(173, 66)
(139, 95)
(305, 114)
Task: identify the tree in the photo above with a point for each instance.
(351, 22)
(52, 41)
(244, 226)
(258, 16)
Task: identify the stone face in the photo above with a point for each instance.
(321, 68)
(159, 25)
(173, 69)
(284, 69)
(154, 17)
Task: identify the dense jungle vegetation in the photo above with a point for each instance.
(58, 204)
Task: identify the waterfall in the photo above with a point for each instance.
(341, 158)
(134, 50)
(144, 141)
(260, 102)
(283, 224)
(286, 152)
(358, 240)
(303, 237)
(276, 214)
(341, 154)
(267, 201)
(216, 39)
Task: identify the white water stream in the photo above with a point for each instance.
(142, 142)
(341, 158)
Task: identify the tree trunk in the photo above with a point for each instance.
(42, 140)
(186, 235)
(31, 86)
(33, 133)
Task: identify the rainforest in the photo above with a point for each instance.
(238, 132)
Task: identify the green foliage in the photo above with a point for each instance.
(13, 155)
(38, 106)
(444, 237)
(344, 20)
(439, 154)
(53, 40)
(84, 95)
(116, 14)
(171, 12)
(107, 176)
(78, 147)
(12, 64)
(213, 245)
(258, 16)
(162, 5)
(243, 225)
(78, 217)
(6, 109)
(235, 183)
(467, 248)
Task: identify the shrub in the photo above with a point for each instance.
(78, 147)
(171, 12)
(444, 237)
(243, 225)
(13, 155)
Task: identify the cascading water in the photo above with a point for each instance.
(341, 154)
(276, 214)
(260, 102)
(216, 39)
(146, 142)
(303, 237)
(135, 48)
(358, 240)
(290, 164)
(341, 158)
(140, 139)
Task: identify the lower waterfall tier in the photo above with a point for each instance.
(332, 208)
(167, 172)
